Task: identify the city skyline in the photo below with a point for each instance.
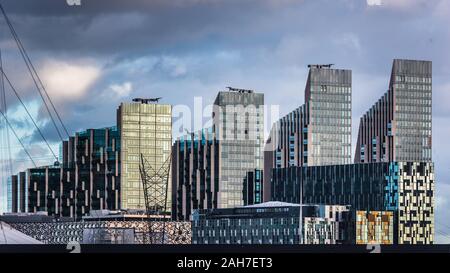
(158, 71)
(200, 161)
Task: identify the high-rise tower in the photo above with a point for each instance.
(398, 126)
(238, 118)
(319, 131)
(144, 129)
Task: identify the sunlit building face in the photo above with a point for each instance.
(144, 129)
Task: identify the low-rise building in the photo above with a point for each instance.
(99, 227)
(272, 223)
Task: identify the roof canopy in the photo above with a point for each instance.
(8, 235)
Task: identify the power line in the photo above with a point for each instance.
(4, 233)
(441, 232)
(26, 110)
(36, 79)
(7, 169)
(29, 69)
(443, 225)
(18, 138)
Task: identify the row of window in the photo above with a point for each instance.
(320, 105)
(412, 79)
(331, 88)
(146, 118)
(144, 134)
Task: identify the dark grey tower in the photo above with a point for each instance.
(398, 126)
(319, 131)
(239, 126)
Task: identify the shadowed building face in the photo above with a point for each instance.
(319, 131)
(239, 125)
(398, 126)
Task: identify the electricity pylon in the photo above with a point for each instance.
(155, 182)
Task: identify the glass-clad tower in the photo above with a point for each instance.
(144, 129)
(238, 118)
(328, 100)
(195, 173)
(398, 126)
(319, 131)
(9, 194)
(210, 167)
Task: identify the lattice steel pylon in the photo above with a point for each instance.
(155, 182)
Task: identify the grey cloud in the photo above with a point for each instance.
(99, 26)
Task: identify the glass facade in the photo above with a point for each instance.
(22, 186)
(44, 189)
(271, 223)
(253, 190)
(9, 194)
(404, 188)
(210, 167)
(329, 128)
(195, 173)
(398, 126)
(412, 87)
(374, 227)
(239, 125)
(93, 162)
(100, 167)
(144, 129)
(87, 178)
(319, 131)
(16, 193)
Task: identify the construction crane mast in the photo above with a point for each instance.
(6, 126)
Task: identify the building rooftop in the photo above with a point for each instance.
(272, 204)
(278, 204)
(122, 215)
(37, 217)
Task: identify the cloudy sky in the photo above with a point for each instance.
(94, 56)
